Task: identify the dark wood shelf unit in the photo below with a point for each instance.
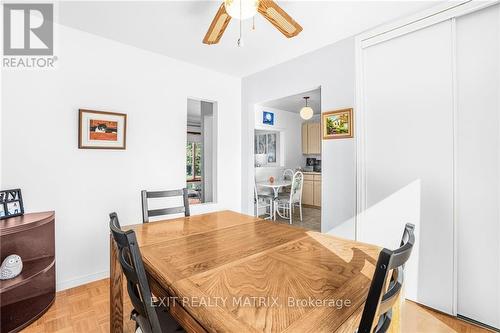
(26, 297)
(25, 222)
(31, 269)
(22, 312)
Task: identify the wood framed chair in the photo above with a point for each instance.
(286, 203)
(146, 213)
(377, 313)
(149, 316)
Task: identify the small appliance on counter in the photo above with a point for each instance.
(317, 166)
(310, 161)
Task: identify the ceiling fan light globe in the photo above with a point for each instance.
(306, 112)
(248, 8)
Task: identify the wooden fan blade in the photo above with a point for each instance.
(218, 26)
(279, 18)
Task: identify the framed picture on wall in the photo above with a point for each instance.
(268, 118)
(101, 130)
(11, 203)
(337, 124)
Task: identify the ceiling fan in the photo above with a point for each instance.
(244, 9)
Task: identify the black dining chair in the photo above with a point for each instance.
(377, 313)
(146, 213)
(149, 316)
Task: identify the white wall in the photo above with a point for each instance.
(39, 141)
(332, 68)
(289, 125)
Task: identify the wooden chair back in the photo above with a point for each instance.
(377, 313)
(147, 213)
(130, 259)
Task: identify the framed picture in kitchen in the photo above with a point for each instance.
(101, 130)
(268, 118)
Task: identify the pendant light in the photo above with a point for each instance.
(306, 112)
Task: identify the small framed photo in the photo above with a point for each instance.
(268, 118)
(101, 130)
(11, 203)
(337, 124)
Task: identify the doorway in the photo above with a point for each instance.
(284, 145)
(201, 145)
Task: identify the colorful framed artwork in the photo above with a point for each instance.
(11, 203)
(268, 118)
(337, 124)
(101, 130)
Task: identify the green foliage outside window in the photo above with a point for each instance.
(189, 160)
(193, 161)
(197, 161)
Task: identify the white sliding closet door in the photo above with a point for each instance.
(408, 155)
(478, 167)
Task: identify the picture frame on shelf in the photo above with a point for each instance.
(11, 203)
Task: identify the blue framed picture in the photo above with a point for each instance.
(268, 118)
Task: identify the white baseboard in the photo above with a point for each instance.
(81, 280)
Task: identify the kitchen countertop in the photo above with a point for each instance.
(311, 172)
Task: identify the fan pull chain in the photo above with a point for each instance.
(253, 22)
(240, 40)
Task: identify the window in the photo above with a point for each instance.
(193, 161)
(267, 143)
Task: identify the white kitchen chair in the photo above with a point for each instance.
(288, 174)
(285, 204)
(263, 200)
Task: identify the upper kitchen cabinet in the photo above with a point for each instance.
(311, 138)
(304, 138)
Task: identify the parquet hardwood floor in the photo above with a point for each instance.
(86, 309)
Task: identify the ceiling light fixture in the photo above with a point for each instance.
(306, 112)
(246, 9)
(241, 9)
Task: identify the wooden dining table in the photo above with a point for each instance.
(230, 272)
